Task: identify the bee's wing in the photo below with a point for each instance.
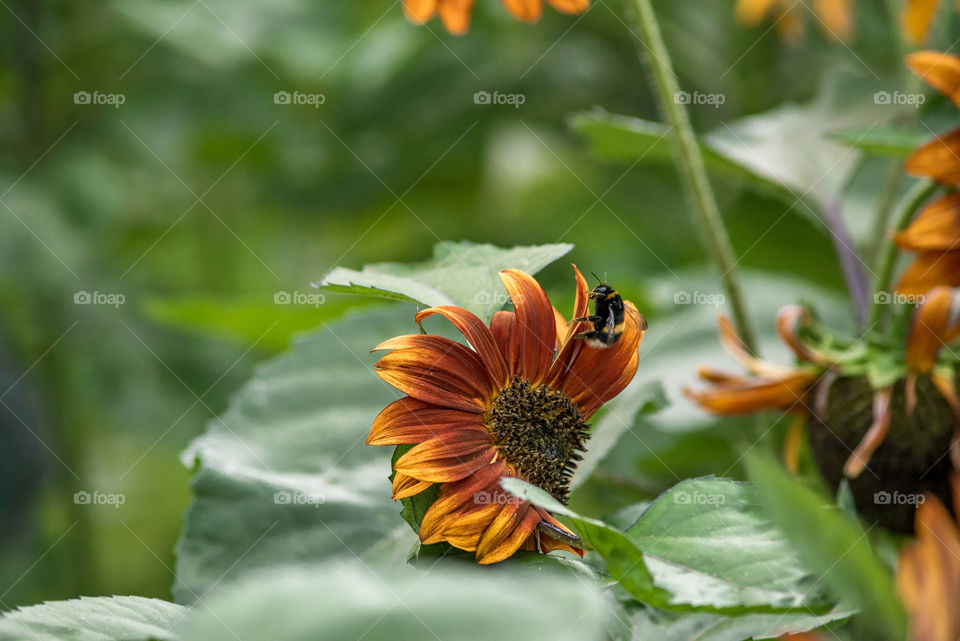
(611, 321)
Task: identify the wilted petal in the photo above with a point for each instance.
(860, 458)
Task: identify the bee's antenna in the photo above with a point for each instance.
(598, 278)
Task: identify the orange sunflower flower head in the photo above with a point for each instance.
(455, 14)
(515, 403)
(928, 575)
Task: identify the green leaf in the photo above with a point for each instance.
(127, 618)
(708, 542)
(351, 600)
(882, 141)
(285, 475)
(832, 545)
(414, 507)
(463, 274)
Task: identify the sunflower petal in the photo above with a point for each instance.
(929, 270)
(455, 15)
(570, 6)
(449, 457)
(940, 70)
(463, 494)
(917, 17)
(938, 159)
(535, 328)
(835, 17)
(524, 10)
(937, 227)
(409, 420)
(466, 528)
(436, 370)
(753, 12)
(478, 335)
(513, 525)
(406, 486)
(860, 458)
(753, 394)
(419, 11)
(933, 325)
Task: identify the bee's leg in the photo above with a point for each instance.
(590, 334)
(586, 319)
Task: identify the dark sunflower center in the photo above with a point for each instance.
(540, 431)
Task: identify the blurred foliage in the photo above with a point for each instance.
(199, 199)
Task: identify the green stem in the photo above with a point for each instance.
(690, 164)
(902, 217)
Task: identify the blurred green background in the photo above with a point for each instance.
(200, 198)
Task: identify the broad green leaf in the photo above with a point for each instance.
(639, 622)
(832, 545)
(284, 475)
(708, 542)
(118, 618)
(352, 600)
(269, 323)
(463, 274)
(882, 141)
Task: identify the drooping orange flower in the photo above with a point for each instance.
(935, 233)
(514, 404)
(834, 16)
(928, 575)
(455, 14)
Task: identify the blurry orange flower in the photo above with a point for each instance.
(928, 576)
(935, 232)
(455, 14)
(515, 405)
(835, 16)
(918, 17)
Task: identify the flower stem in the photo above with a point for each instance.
(901, 218)
(690, 164)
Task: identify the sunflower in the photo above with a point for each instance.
(515, 405)
(935, 233)
(835, 16)
(928, 575)
(455, 14)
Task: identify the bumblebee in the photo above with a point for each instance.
(608, 317)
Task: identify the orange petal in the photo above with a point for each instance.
(793, 442)
(436, 370)
(503, 326)
(917, 17)
(753, 12)
(467, 526)
(479, 336)
(419, 11)
(937, 227)
(406, 486)
(513, 525)
(409, 420)
(940, 70)
(731, 341)
(789, 26)
(755, 394)
(449, 457)
(860, 458)
(836, 17)
(570, 6)
(524, 10)
(938, 159)
(929, 270)
(455, 15)
(933, 324)
(535, 328)
(600, 395)
(789, 319)
(459, 495)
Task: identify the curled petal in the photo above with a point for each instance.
(737, 349)
(436, 370)
(455, 15)
(789, 319)
(419, 11)
(936, 228)
(535, 328)
(406, 486)
(409, 420)
(524, 10)
(934, 325)
(754, 394)
(939, 70)
(478, 335)
(874, 437)
(929, 270)
(917, 17)
(449, 457)
(939, 159)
